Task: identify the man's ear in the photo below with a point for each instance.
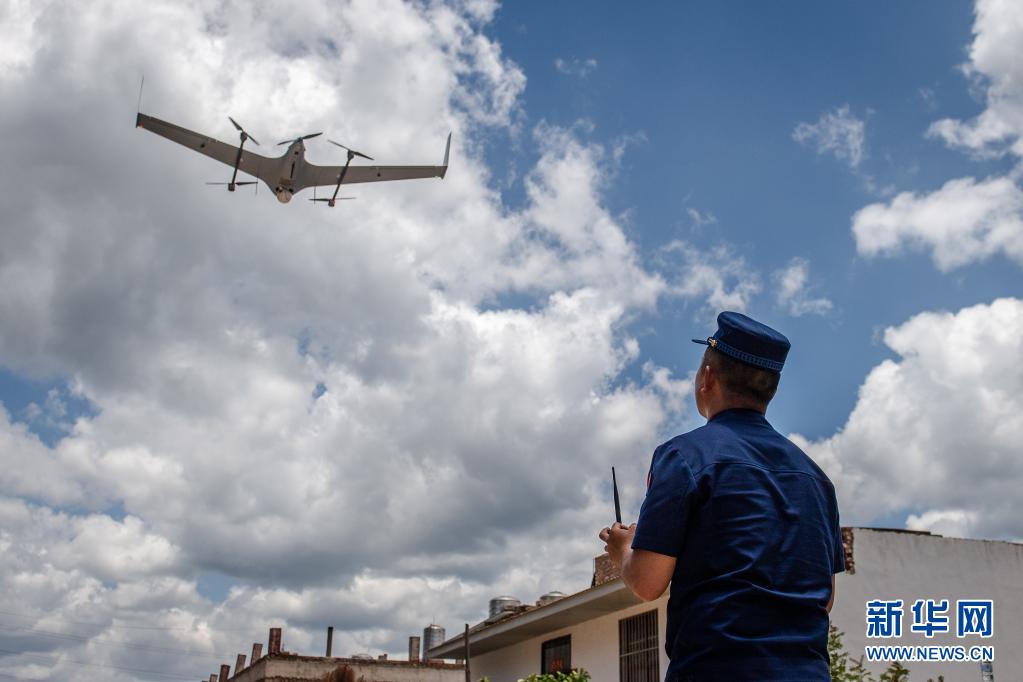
(710, 378)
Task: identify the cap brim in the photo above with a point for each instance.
(701, 341)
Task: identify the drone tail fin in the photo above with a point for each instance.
(447, 154)
(138, 107)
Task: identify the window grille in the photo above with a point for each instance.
(556, 655)
(639, 659)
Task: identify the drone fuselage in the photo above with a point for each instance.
(290, 172)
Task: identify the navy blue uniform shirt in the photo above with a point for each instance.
(753, 523)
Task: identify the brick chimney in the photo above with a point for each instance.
(603, 570)
(413, 648)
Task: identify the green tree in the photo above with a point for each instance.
(845, 670)
(842, 669)
(859, 672)
(837, 655)
(574, 676)
(896, 672)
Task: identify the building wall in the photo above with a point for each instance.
(894, 565)
(288, 667)
(594, 648)
(888, 565)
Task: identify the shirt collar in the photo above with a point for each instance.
(739, 414)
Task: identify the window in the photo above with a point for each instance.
(556, 655)
(637, 649)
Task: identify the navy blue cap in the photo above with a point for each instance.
(749, 341)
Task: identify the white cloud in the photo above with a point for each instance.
(719, 277)
(994, 63)
(942, 422)
(963, 222)
(949, 522)
(929, 97)
(115, 550)
(793, 290)
(576, 66)
(450, 432)
(701, 218)
(966, 220)
(837, 132)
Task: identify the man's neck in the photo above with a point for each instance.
(733, 405)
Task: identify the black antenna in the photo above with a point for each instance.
(138, 109)
(618, 506)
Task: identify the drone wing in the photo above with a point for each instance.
(320, 176)
(250, 162)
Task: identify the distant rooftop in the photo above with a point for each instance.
(607, 593)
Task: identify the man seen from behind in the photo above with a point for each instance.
(741, 523)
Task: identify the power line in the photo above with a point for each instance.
(137, 671)
(22, 679)
(126, 627)
(125, 645)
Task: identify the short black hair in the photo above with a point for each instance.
(742, 381)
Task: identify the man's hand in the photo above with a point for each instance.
(647, 574)
(618, 539)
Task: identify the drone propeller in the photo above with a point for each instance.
(303, 137)
(330, 202)
(245, 135)
(350, 150)
(231, 185)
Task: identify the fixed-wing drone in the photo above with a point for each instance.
(288, 174)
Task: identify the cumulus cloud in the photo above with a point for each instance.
(701, 218)
(337, 411)
(837, 132)
(719, 276)
(935, 432)
(995, 65)
(575, 66)
(794, 290)
(950, 522)
(929, 97)
(963, 222)
(966, 220)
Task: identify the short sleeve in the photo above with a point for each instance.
(838, 543)
(664, 514)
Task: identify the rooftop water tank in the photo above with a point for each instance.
(433, 636)
(499, 604)
(550, 597)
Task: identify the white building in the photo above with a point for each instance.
(609, 632)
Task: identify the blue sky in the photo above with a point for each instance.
(706, 96)
(716, 90)
(217, 410)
